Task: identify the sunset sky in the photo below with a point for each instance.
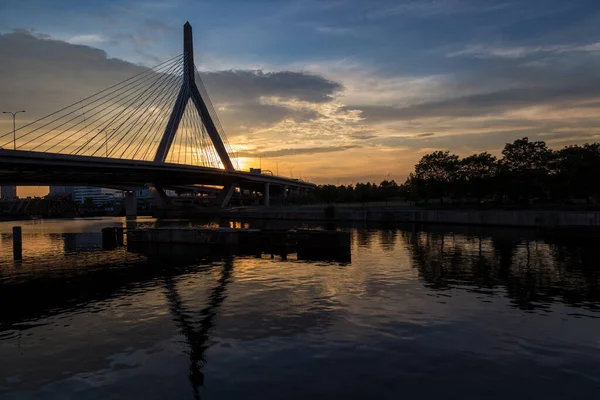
(334, 91)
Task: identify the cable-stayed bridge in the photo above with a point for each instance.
(157, 128)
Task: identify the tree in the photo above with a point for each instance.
(525, 168)
(477, 175)
(576, 170)
(435, 174)
(387, 190)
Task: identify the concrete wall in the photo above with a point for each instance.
(520, 218)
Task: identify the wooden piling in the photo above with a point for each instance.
(17, 243)
(109, 238)
(120, 233)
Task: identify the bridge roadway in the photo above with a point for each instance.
(28, 168)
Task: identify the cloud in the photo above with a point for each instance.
(89, 39)
(236, 84)
(249, 100)
(472, 99)
(487, 103)
(483, 51)
(140, 44)
(295, 151)
(415, 8)
(435, 8)
(43, 75)
(332, 30)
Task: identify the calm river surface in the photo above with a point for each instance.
(418, 312)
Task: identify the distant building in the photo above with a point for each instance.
(62, 190)
(100, 196)
(143, 193)
(9, 192)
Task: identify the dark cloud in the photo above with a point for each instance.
(504, 89)
(241, 93)
(253, 114)
(251, 85)
(483, 88)
(426, 134)
(44, 75)
(486, 104)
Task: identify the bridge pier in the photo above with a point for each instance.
(267, 194)
(130, 205)
(225, 195)
(161, 200)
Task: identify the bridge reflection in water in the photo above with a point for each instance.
(398, 275)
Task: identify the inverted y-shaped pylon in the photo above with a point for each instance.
(190, 90)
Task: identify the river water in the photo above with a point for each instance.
(418, 312)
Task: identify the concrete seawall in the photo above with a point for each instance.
(513, 218)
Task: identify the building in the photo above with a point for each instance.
(100, 196)
(9, 192)
(61, 190)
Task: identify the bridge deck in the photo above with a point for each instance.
(27, 168)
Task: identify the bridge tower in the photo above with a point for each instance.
(188, 91)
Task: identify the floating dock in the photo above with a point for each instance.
(308, 244)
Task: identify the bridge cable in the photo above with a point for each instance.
(95, 94)
(125, 114)
(167, 85)
(154, 88)
(140, 115)
(141, 79)
(127, 96)
(167, 99)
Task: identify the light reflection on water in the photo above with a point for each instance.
(427, 312)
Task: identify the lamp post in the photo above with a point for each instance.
(14, 115)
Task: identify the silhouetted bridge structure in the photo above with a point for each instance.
(157, 129)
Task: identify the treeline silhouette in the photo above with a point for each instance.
(361, 192)
(528, 172)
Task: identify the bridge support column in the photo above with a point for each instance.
(267, 194)
(225, 195)
(130, 205)
(161, 200)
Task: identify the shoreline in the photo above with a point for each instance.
(536, 219)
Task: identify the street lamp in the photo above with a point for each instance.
(14, 114)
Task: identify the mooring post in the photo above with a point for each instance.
(17, 243)
(130, 205)
(109, 238)
(120, 233)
